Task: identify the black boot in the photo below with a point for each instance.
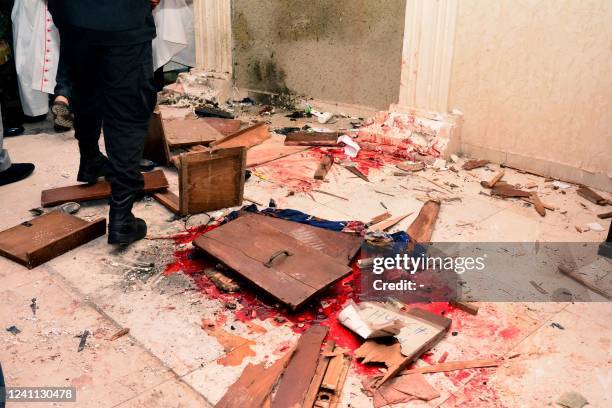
(17, 172)
(123, 227)
(90, 170)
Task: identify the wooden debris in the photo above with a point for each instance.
(388, 223)
(379, 218)
(465, 306)
(324, 166)
(537, 204)
(273, 260)
(247, 137)
(304, 138)
(443, 357)
(357, 172)
(330, 194)
(254, 385)
(189, 132)
(605, 216)
(43, 238)
(454, 366)
(572, 274)
(270, 150)
(169, 200)
(153, 181)
(506, 190)
(473, 164)
(591, 195)
(411, 167)
(315, 384)
(224, 126)
(295, 381)
(155, 148)
(422, 227)
(494, 180)
(119, 334)
(327, 398)
(538, 288)
(221, 281)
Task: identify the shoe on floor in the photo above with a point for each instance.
(63, 119)
(123, 227)
(13, 131)
(17, 172)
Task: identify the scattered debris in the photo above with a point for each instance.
(33, 306)
(357, 172)
(351, 148)
(537, 204)
(591, 195)
(474, 164)
(305, 138)
(13, 329)
(556, 325)
(388, 223)
(422, 227)
(595, 226)
(454, 366)
(538, 288)
(605, 216)
(330, 194)
(560, 185)
(379, 218)
(83, 340)
(411, 167)
(570, 273)
(213, 112)
(506, 190)
(247, 137)
(70, 208)
(494, 180)
(37, 212)
(572, 400)
(465, 306)
(324, 166)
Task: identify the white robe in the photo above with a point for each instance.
(174, 24)
(36, 42)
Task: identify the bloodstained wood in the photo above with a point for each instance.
(281, 265)
(422, 227)
(43, 238)
(324, 166)
(474, 164)
(591, 195)
(296, 379)
(247, 137)
(153, 181)
(303, 138)
(357, 172)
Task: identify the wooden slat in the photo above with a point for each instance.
(190, 131)
(386, 224)
(506, 190)
(324, 166)
(247, 137)
(153, 181)
(224, 126)
(317, 378)
(270, 150)
(211, 181)
(422, 227)
(303, 138)
(591, 195)
(537, 204)
(296, 379)
(169, 200)
(292, 280)
(453, 366)
(48, 236)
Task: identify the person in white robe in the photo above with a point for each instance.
(175, 36)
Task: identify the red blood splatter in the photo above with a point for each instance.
(509, 332)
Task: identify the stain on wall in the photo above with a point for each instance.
(345, 50)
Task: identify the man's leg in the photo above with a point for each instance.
(9, 172)
(129, 100)
(5, 160)
(85, 67)
(63, 119)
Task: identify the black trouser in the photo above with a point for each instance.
(63, 79)
(113, 89)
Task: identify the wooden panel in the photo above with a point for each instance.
(211, 181)
(189, 132)
(156, 148)
(153, 181)
(422, 227)
(296, 379)
(292, 279)
(317, 378)
(224, 126)
(324, 166)
(302, 138)
(271, 149)
(341, 246)
(247, 137)
(48, 236)
(169, 200)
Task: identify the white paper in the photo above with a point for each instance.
(351, 148)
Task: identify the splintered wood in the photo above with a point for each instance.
(591, 195)
(302, 138)
(189, 131)
(324, 166)
(422, 227)
(43, 238)
(247, 137)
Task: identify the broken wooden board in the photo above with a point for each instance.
(453, 366)
(224, 126)
(270, 150)
(570, 273)
(506, 190)
(153, 181)
(537, 204)
(327, 397)
(411, 167)
(494, 180)
(317, 378)
(474, 164)
(422, 227)
(386, 224)
(281, 265)
(247, 137)
(189, 132)
(304, 138)
(357, 172)
(401, 389)
(324, 166)
(591, 195)
(295, 381)
(211, 181)
(465, 306)
(379, 218)
(341, 246)
(156, 148)
(43, 238)
(169, 200)
(254, 386)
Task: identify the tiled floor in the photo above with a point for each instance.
(167, 360)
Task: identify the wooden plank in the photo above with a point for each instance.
(567, 271)
(591, 195)
(317, 378)
(506, 190)
(324, 166)
(211, 181)
(332, 375)
(494, 180)
(247, 137)
(169, 200)
(303, 138)
(454, 366)
(43, 238)
(189, 132)
(224, 126)
(296, 379)
(155, 148)
(386, 224)
(253, 387)
(422, 227)
(474, 164)
(379, 218)
(465, 306)
(270, 150)
(357, 172)
(537, 204)
(292, 279)
(341, 246)
(605, 216)
(153, 181)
